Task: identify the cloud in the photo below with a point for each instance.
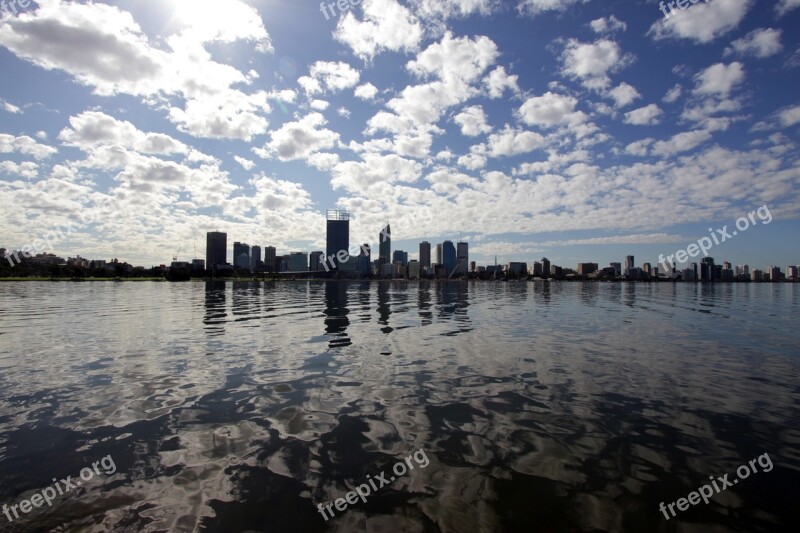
(702, 22)
(623, 94)
(91, 129)
(673, 94)
(11, 108)
(387, 25)
(549, 110)
(513, 141)
(605, 25)
(790, 116)
(761, 43)
(682, 142)
(245, 163)
(299, 139)
(719, 79)
(472, 121)
(24, 145)
(784, 6)
(26, 169)
(592, 62)
(644, 116)
(329, 76)
(537, 7)
(498, 81)
(366, 91)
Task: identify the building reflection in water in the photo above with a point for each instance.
(215, 306)
(336, 314)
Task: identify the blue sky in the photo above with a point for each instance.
(577, 130)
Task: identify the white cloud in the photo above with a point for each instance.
(537, 7)
(24, 145)
(329, 76)
(592, 62)
(550, 110)
(245, 163)
(455, 60)
(673, 94)
(761, 43)
(11, 108)
(639, 148)
(790, 116)
(624, 94)
(606, 25)
(702, 22)
(472, 121)
(387, 25)
(512, 141)
(719, 79)
(498, 81)
(682, 142)
(26, 169)
(644, 116)
(91, 129)
(319, 105)
(784, 6)
(366, 91)
(299, 139)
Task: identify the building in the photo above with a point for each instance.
(316, 259)
(518, 269)
(584, 269)
(241, 255)
(545, 267)
(338, 235)
(198, 265)
(617, 268)
(270, 256)
(537, 269)
(216, 249)
(424, 254)
(708, 270)
(364, 260)
(775, 274)
(256, 264)
(439, 259)
(462, 258)
(400, 257)
(385, 247)
(413, 269)
(629, 263)
(688, 275)
(756, 275)
(449, 257)
(791, 272)
(298, 262)
(472, 266)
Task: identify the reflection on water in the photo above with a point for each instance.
(240, 406)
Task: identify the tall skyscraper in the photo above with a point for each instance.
(255, 259)
(216, 249)
(462, 257)
(270, 264)
(385, 251)
(425, 254)
(449, 257)
(400, 257)
(364, 260)
(241, 255)
(438, 254)
(628, 263)
(545, 267)
(338, 237)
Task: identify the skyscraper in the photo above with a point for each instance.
(462, 257)
(255, 259)
(449, 257)
(400, 257)
(438, 254)
(216, 249)
(316, 259)
(338, 237)
(545, 267)
(241, 255)
(385, 251)
(628, 264)
(425, 254)
(364, 260)
(270, 264)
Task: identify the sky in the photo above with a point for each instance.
(578, 130)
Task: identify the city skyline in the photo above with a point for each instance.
(624, 129)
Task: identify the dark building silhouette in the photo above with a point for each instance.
(449, 257)
(338, 237)
(216, 249)
(385, 240)
(425, 254)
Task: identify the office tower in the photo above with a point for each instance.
(646, 268)
(438, 254)
(756, 275)
(270, 256)
(385, 246)
(216, 249)
(707, 270)
(472, 266)
(255, 259)
(545, 267)
(400, 257)
(694, 271)
(617, 268)
(338, 238)
(584, 269)
(537, 269)
(240, 249)
(364, 260)
(298, 262)
(316, 259)
(462, 257)
(413, 269)
(791, 272)
(449, 257)
(283, 261)
(775, 273)
(425, 254)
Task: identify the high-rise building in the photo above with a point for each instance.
(298, 262)
(472, 266)
(707, 269)
(462, 257)
(316, 259)
(775, 273)
(256, 263)
(424, 254)
(545, 267)
(338, 237)
(270, 259)
(537, 268)
(216, 249)
(413, 269)
(364, 260)
(241, 255)
(449, 257)
(791, 272)
(385, 246)
(617, 268)
(439, 257)
(400, 257)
